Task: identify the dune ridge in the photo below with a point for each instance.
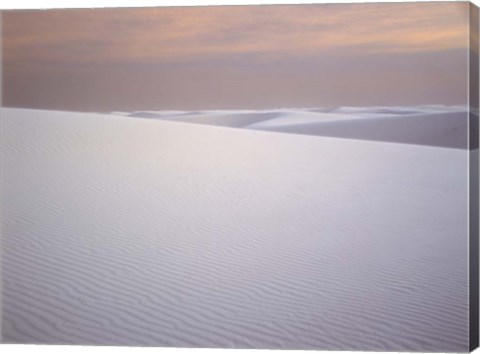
(433, 125)
(445, 129)
(146, 232)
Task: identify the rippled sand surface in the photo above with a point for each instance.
(130, 231)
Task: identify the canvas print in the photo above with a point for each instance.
(273, 177)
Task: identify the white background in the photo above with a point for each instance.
(34, 4)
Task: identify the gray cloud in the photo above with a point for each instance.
(236, 57)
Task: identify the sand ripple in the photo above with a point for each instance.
(142, 232)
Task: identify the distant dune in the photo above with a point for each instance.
(225, 119)
(433, 125)
(439, 129)
(122, 231)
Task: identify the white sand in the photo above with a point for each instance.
(435, 129)
(433, 125)
(145, 232)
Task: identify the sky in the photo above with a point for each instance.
(236, 57)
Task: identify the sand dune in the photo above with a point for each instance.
(372, 110)
(441, 129)
(235, 118)
(129, 231)
(228, 119)
(433, 125)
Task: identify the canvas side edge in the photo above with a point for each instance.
(473, 256)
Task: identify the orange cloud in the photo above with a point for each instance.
(197, 33)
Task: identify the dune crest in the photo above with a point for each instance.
(433, 125)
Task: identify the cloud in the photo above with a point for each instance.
(147, 35)
(236, 56)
